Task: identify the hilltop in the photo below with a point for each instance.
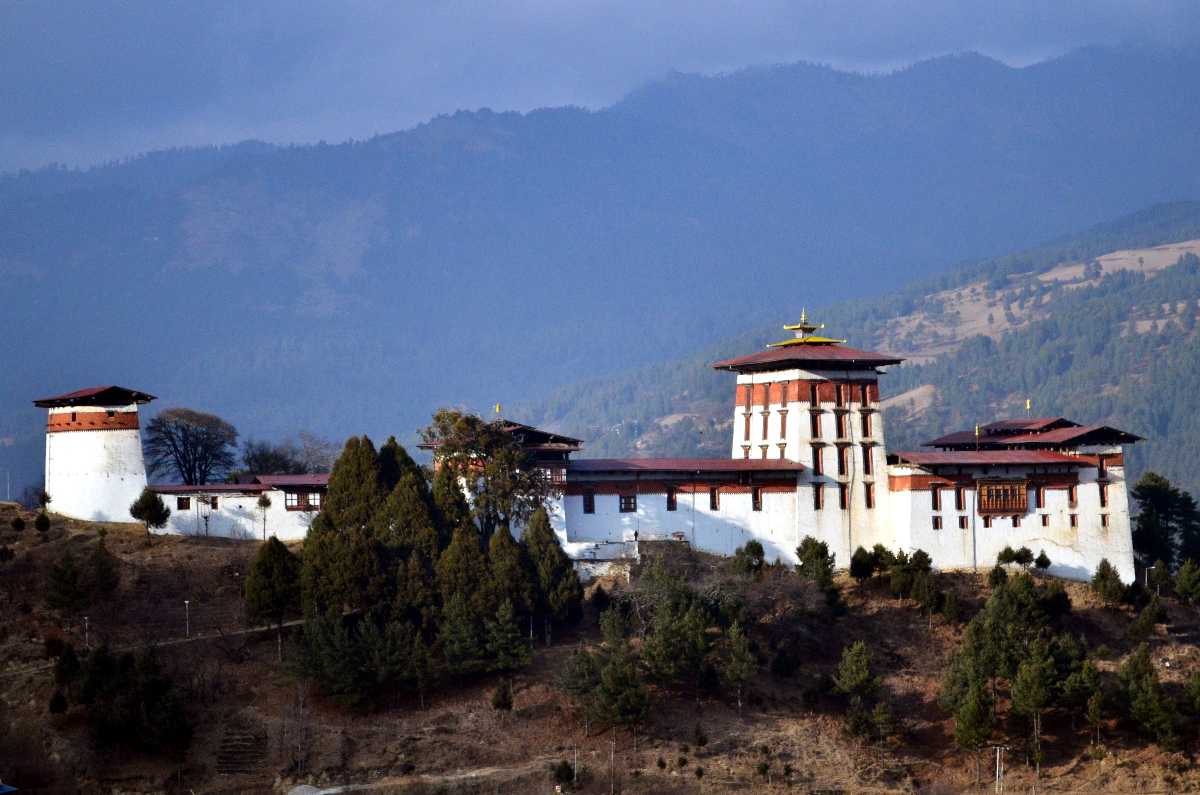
(259, 727)
(490, 257)
(1099, 326)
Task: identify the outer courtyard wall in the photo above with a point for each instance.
(93, 475)
(237, 516)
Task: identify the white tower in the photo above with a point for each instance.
(94, 465)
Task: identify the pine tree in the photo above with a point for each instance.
(324, 576)
(1187, 581)
(739, 665)
(1043, 561)
(1023, 557)
(1032, 690)
(973, 722)
(459, 637)
(405, 520)
(1149, 706)
(559, 590)
(579, 679)
(815, 562)
(416, 591)
(853, 677)
(394, 461)
(101, 575)
(272, 588)
(505, 645)
(511, 573)
(997, 577)
(41, 522)
(462, 573)
(621, 698)
(355, 490)
(1106, 583)
(862, 565)
(150, 510)
(1006, 556)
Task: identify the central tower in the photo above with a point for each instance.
(94, 465)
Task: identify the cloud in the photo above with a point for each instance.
(82, 81)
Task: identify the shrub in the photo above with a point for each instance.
(1106, 583)
(1006, 556)
(699, 738)
(562, 773)
(17, 524)
(1187, 581)
(862, 565)
(662, 763)
(58, 703)
(816, 563)
(951, 610)
(1042, 561)
(997, 577)
(749, 559)
(502, 697)
(42, 522)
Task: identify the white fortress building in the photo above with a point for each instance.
(807, 458)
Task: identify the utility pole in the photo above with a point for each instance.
(86, 635)
(187, 618)
(1000, 749)
(612, 770)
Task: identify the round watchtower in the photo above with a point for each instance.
(94, 465)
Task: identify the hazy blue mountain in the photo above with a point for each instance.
(493, 256)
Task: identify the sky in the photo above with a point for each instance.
(83, 81)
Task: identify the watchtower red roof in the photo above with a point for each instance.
(830, 355)
(96, 396)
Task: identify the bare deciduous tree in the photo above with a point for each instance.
(194, 446)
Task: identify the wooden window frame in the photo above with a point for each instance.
(1104, 520)
(1045, 520)
(1074, 520)
(814, 398)
(1039, 497)
(1072, 495)
(1103, 489)
(868, 460)
(756, 498)
(1016, 520)
(843, 496)
(818, 496)
(864, 394)
(818, 460)
(214, 502)
(766, 417)
(960, 498)
(935, 497)
(840, 424)
(843, 460)
(714, 498)
(937, 523)
(589, 501)
(962, 523)
(866, 424)
(183, 503)
(814, 425)
(672, 499)
(869, 495)
(987, 522)
(627, 503)
(1002, 497)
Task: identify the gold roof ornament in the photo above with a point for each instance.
(803, 332)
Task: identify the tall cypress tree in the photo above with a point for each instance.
(405, 520)
(394, 461)
(511, 573)
(355, 489)
(506, 647)
(559, 589)
(450, 504)
(462, 572)
(460, 638)
(416, 591)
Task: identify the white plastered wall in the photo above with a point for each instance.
(237, 516)
(94, 475)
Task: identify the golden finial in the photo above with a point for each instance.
(803, 333)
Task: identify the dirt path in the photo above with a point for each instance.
(535, 765)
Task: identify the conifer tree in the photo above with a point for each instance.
(41, 522)
(973, 722)
(502, 696)
(1149, 706)
(511, 573)
(462, 573)
(559, 590)
(355, 490)
(862, 565)
(579, 679)
(101, 576)
(997, 577)
(460, 638)
(272, 586)
(405, 520)
(621, 698)
(815, 562)
(1187, 581)
(853, 677)
(416, 591)
(64, 589)
(1043, 561)
(324, 575)
(739, 665)
(1032, 690)
(150, 510)
(394, 461)
(1106, 583)
(506, 647)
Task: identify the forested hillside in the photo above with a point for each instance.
(1100, 327)
(488, 257)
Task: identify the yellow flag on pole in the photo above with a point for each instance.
(497, 408)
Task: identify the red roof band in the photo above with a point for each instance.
(986, 458)
(833, 355)
(257, 484)
(683, 465)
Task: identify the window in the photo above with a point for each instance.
(869, 494)
(987, 522)
(812, 395)
(183, 503)
(868, 462)
(1003, 497)
(935, 495)
(766, 422)
(110, 413)
(814, 422)
(864, 394)
(672, 501)
(314, 500)
(1016, 520)
(589, 501)
(1104, 520)
(843, 496)
(841, 426)
(714, 499)
(628, 503)
(1103, 495)
(1074, 520)
(962, 523)
(783, 424)
(212, 502)
(1039, 497)
(843, 455)
(73, 415)
(756, 498)
(818, 467)
(937, 523)
(558, 475)
(1045, 520)
(866, 424)
(1072, 496)
(1101, 469)
(840, 394)
(291, 500)
(818, 496)
(746, 436)
(960, 499)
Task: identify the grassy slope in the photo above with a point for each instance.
(458, 744)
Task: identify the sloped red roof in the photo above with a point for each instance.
(1079, 434)
(208, 488)
(986, 458)
(96, 396)
(683, 465)
(316, 479)
(807, 355)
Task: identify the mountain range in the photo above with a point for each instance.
(487, 256)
